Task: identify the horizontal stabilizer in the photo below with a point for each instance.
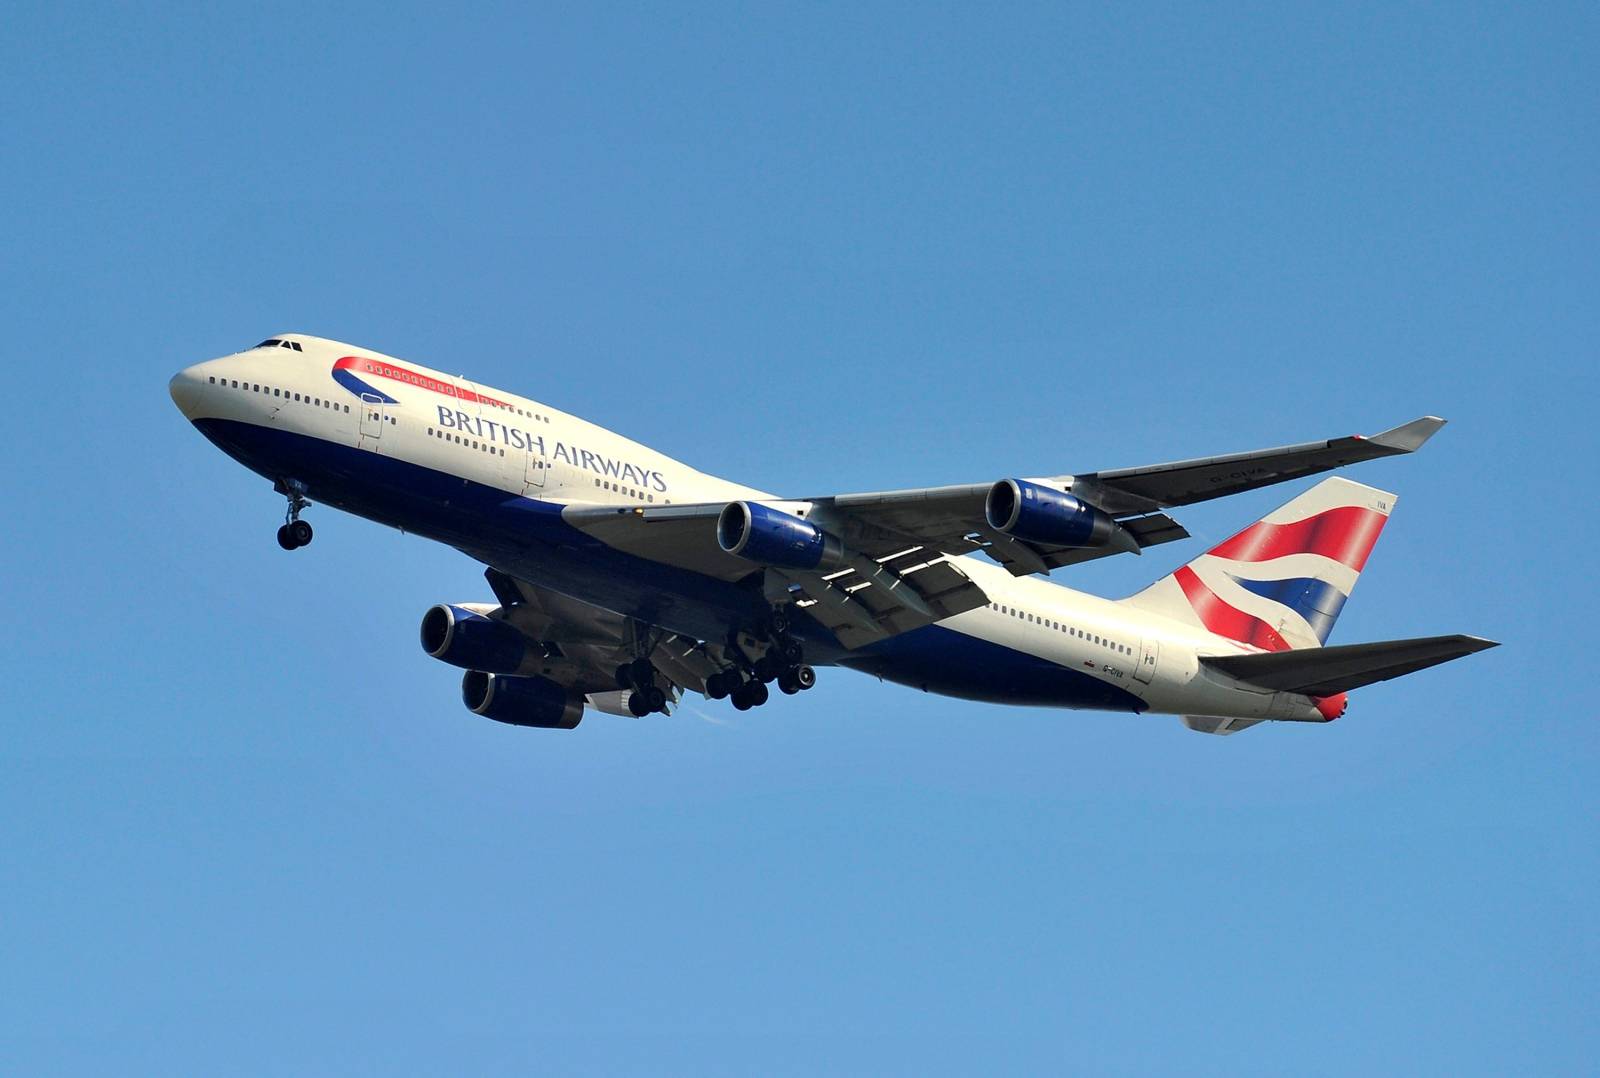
(1327, 671)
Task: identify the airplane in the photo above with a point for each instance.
(624, 579)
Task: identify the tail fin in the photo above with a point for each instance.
(1281, 582)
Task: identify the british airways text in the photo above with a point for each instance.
(517, 438)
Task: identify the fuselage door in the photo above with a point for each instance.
(373, 417)
(537, 467)
(1149, 658)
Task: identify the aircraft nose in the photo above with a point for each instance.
(185, 390)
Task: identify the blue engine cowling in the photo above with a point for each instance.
(1040, 514)
(769, 536)
(467, 639)
(521, 701)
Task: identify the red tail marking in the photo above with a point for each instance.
(1224, 619)
(1345, 534)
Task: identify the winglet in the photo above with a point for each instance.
(1408, 437)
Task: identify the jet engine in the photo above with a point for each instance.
(463, 637)
(521, 701)
(768, 536)
(1036, 513)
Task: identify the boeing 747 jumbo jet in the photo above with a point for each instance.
(623, 579)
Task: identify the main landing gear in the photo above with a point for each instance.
(295, 532)
(646, 696)
(782, 662)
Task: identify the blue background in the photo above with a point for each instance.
(246, 824)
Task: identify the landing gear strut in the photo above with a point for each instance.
(295, 532)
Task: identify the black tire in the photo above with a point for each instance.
(718, 686)
(791, 651)
(786, 683)
(805, 677)
(741, 697)
(778, 622)
(300, 532)
(758, 694)
(642, 673)
(655, 698)
(768, 667)
(285, 540)
(638, 706)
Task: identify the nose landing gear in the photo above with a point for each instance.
(295, 532)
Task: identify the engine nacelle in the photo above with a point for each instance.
(1036, 513)
(465, 638)
(768, 536)
(521, 701)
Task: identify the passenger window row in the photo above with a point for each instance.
(470, 443)
(284, 394)
(535, 416)
(1093, 638)
(637, 495)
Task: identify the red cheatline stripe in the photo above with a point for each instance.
(380, 369)
(1345, 534)
(1224, 619)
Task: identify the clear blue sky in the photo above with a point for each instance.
(245, 824)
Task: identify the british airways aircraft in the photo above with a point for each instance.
(623, 578)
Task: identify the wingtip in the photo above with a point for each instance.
(1409, 437)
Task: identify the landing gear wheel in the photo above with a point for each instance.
(638, 706)
(791, 651)
(786, 683)
(300, 532)
(804, 677)
(741, 697)
(717, 686)
(655, 698)
(768, 667)
(285, 540)
(778, 621)
(641, 673)
(758, 694)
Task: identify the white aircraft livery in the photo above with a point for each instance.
(623, 578)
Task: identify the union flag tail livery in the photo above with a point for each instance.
(1281, 583)
(624, 578)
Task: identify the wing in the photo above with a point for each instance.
(584, 645)
(1159, 486)
(892, 536)
(953, 519)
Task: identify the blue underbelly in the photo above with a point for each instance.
(941, 660)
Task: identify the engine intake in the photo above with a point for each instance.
(768, 536)
(1036, 513)
(536, 702)
(467, 639)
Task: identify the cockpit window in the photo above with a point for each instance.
(274, 342)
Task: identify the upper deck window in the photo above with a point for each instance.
(274, 342)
